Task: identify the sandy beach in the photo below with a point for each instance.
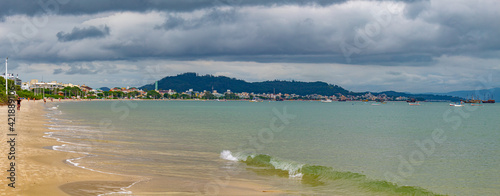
(41, 170)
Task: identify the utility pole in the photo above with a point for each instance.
(6, 90)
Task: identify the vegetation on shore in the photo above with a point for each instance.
(226, 87)
(186, 81)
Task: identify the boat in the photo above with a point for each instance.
(457, 105)
(489, 101)
(326, 101)
(414, 103)
(471, 100)
(412, 100)
(476, 104)
(256, 100)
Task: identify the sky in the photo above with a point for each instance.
(409, 46)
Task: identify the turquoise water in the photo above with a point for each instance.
(344, 148)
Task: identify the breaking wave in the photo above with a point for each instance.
(317, 175)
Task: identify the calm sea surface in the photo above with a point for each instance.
(341, 148)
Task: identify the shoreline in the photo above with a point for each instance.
(39, 169)
(42, 169)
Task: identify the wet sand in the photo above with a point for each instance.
(42, 171)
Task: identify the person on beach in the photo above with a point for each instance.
(19, 103)
(44, 101)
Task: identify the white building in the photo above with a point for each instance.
(25, 86)
(35, 84)
(16, 79)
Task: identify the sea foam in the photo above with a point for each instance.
(226, 154)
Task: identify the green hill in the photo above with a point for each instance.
(186, 81)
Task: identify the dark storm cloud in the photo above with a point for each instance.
(83, 33)
(268, 31)
(76, 7)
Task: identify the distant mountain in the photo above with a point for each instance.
(186, 81)
(104, 88)
(484, 94)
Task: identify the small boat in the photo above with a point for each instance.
(326, 101)
(489, 101)
(375, 104)
(476, 104)
(456, 105)
(413, 103)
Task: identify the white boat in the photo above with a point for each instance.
(256, 100)
(326, 101)
(456, 105)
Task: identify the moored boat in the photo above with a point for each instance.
(456, 104)
(489, 101)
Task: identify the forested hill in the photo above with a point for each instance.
(186, 81)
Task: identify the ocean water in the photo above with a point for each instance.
(302, 148)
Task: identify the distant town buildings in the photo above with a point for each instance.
(37, 87)
(35, 84)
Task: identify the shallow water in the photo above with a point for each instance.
(345, 148)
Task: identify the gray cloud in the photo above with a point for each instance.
(68, 7)
(80, 70)
(394, 73)
(83, 33)
(415, 8)
(210, 18)
(416, 34)
(58, 71)
(77, 69)
(287, 31)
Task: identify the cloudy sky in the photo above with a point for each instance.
(411, 46)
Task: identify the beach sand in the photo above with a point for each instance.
(42, 171)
